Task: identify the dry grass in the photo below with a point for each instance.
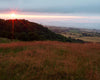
(49, 60)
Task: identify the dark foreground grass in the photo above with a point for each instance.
(49, 60)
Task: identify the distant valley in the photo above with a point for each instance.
(90, 35)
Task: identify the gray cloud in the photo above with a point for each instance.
(61, 6)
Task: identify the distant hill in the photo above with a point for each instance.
(71, 29)
(88, 35)
(29, 31)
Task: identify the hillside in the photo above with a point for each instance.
(49, 60)
(29, 31)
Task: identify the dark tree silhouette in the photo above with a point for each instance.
(29, 31)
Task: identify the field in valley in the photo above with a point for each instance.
(49, 60)
(88, 35)
(84, 38)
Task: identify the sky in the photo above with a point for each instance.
(67, 13)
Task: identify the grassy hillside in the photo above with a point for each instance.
(49, 60)
(5, 40)
(28, 31)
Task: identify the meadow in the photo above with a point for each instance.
(49, 60)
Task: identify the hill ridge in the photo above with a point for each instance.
(29, 31)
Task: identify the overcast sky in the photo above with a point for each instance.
(58, 6)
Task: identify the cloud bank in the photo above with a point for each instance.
(54, 6)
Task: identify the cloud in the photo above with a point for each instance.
(54, 6)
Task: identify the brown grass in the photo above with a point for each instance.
(49, 60)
